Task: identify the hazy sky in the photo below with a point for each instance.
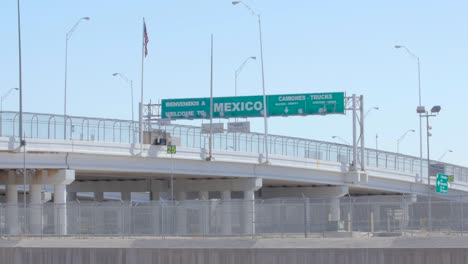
(309, 46)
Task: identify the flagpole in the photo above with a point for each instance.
(210, 156)
(141, 98)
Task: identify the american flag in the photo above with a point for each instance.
(145, 38)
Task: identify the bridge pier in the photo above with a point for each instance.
(181, 214)
(126, 196)
(60, 203)
(35, 179)
(204, 212)
(225, 186)
(35, 205)
(331, 194)
(99, 196)
(226, 226)
(249, 213)
(12, 203)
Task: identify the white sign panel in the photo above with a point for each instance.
(243, 127)
(216, 128)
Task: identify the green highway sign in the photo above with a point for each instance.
(252, 106)
(306, 104)
(442, 183)
(171, 149)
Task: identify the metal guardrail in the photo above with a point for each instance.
(48, 126)
(365, 216)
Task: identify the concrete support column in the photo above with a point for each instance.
(126, 196)
(154, 196)
(35, 205)
(249, 212)
(181, 214)
(226, 226)
(204, 212)
(60, 203)
(335, 210)
(157, 212)
(376, 214)
(99, 196)
(404, 218)
(12, 204)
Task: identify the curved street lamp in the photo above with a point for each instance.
(445, 153)
(419, 106)
(67, 37)
(129, 82)
(265, 110)
(5, 95)
(238, 71)
(368, 111)
(401, 138)
(341, 139)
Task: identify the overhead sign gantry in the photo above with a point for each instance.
(252, 106)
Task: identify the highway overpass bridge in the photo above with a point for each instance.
(102, 155)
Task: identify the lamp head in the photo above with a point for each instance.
(334, 136)
(235, 2)
(436, 109)
(16, 88)
(420, 110)
(86, 18)
(115, 74)
(450, 150)
(253, 58)
(398, 46)
(412, 130)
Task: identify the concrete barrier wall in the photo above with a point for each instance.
(231, 256)
(427, 250)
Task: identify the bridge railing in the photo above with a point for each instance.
(48, 126)
(371, 216)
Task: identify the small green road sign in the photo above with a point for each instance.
(171, 149)
(442, 183)
(451, 178)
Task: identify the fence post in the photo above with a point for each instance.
(461, 214)
(371, 229)
(122, 220)
(306, 217)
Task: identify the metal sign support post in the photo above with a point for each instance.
(172, 179)
(354, 104)
(355, 154)
(211, 106)
(361, 115)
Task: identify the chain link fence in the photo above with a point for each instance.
(370, 216)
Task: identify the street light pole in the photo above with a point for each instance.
(129, 82)
(4, 96)
(368, 111)
(420, 117)
(445, 153)
(401, 138)
(341, 139)
(434, 111)
(238, 71)
(67, 37)
(265, 108)
(21, 136)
